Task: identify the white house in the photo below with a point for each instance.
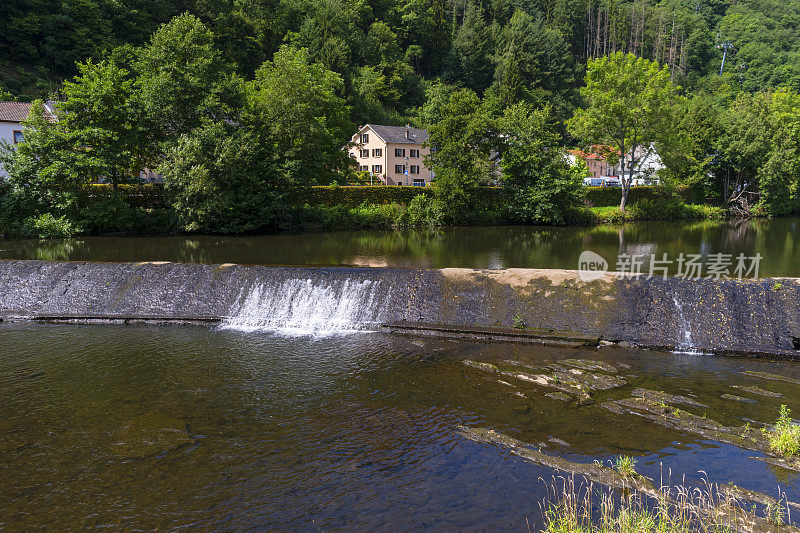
(647, 167)
(393, 155)
(12, 115)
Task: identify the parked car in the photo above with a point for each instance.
(645, 181)
(611, 182)
(593, 182)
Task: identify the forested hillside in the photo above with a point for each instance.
(237, 103)
(389, 52)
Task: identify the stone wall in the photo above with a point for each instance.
(738, 317)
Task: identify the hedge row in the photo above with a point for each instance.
(610, 196)
(152, 195)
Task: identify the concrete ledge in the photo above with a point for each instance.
(730, 317)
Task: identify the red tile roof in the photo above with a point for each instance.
(19, 111)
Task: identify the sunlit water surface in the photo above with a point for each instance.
(166, 427)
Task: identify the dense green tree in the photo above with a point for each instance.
(631, 104)
(533, 63)
(221, 180)
(297, 108)
(542, 187)
(184, 79)
(102, 116)
(743, 147)
(461, 144)
(470, 55)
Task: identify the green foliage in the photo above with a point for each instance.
(657, 210)
(470, 56)
(784, 437)
(533, 63)
(631, 104)
(219, 180)
(625, 465)
(184, 79)
(296, 109)
(422, 211)
(543, 188)
(461, 157)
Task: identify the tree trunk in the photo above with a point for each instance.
(625, 185)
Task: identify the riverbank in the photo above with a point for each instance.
(147, 210)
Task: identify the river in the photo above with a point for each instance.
(144, 427)
(477, 247)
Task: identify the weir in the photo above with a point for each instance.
(723, 316)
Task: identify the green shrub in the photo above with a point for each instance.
(422, 211)
(610, 196)
(45, 226)
(784, 437)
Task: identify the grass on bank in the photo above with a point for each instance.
(589, 508)
(644, 210)
(784, 437)
(625, 465)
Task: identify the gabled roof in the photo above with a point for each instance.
(19, 111)
(397, 134)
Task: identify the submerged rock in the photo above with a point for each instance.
(594, 471)
(663, 397)
(775, 377)
(559, 396)
(589, 364)
(737, 398)
(661, 413)
(489, 367)
(757, 390)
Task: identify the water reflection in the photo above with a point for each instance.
(474, 247)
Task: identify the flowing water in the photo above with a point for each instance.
(474, 247)
(306, 306)
(144, 427)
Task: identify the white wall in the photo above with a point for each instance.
(7, 135)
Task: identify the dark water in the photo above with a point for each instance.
(167, 427)
(477, 247)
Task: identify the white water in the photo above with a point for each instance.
(686, 345)
(309, 307)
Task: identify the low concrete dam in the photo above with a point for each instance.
(724, 316)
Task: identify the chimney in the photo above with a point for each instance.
(406, 131)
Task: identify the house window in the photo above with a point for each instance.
(377, 152)
(399, 152)
(415, 169)
(399, 169)
(377, 169)
(419, 182)
(365, 153)
(364, 138)
(364, 168)
(18, 137)
(414, 153)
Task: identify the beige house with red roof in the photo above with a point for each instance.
(392, 155)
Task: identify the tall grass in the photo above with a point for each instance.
(591, 508)
(784, 437)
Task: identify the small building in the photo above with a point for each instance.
(392, 155)
(12, 116)
(648, 164)
(595, 162)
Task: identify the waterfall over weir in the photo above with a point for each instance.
(686, 315)
(311, 306)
